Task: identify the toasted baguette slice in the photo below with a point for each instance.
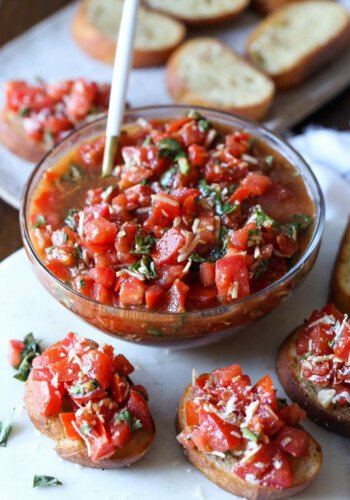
(268, 6)
(220, 471)
(205, 72)
(305, 393)
(13, 138)
(340, 285)
(200, 12)
(76, 451)
(297, 39)
(95, 25)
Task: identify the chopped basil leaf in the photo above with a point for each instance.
(126, 416)
(147, 142)
(261, 218)
(85, 388)
(95, 383)
(167, 177)
(145, 182)
(70, 220)
(39, 221)
(184, 166)
(48, 249)
(306, 355)
(23, 111)
(228, 208)
(269, 160)
(282, 402)
(248, 434)
(39, 481)
(299, 222)
(196, 258)
(169, 148)
(154, 331)
(204, 125)
(82, 283)
(75, 173)
(65, 237)
(5, 431)
(145, 266)
(30, 351)
(77, 390)
(143, 244)
(85, 428)
(194, 114)
(48, 139)
(79, 250)
(261, 268)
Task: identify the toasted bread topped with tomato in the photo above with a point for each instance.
(37, 116)
(313, 365)
(340, 285)
(80, 395)
(243, 438)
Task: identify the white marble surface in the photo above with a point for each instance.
(163, 473)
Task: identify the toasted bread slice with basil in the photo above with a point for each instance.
(311, 397)
(297, 39)
(205, 72)
(340, 285)
(95, 28)
(76, 450)
(220, 471)
(200, 12)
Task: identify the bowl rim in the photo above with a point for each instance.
(312, 183)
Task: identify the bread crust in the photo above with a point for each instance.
(338, 293)
(304, 392)
(75, 451)
(197, 21)
(99, 46)
(181, 93)
(231, 482)
(13, 138)
(308, 64)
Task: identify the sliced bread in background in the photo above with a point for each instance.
(340, 285)
(297, 39)
(200, 12)
(95, 26)
(268, 6)
(205, 72)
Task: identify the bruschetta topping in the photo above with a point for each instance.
(323, 348)
(49, 111)
(227, 416)
(89, 389)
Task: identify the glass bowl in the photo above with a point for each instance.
(175, 329)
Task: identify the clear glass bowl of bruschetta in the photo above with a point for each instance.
(206, 224)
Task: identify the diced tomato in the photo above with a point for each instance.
(101, 443)
(91, 153)
(120, 433)
(125, 243)
(175, 298)
(202, 297)
(271, 421)
(154, 295)
(132, 290)
(231, 277)
(267, 395)
(99, 366)
(198, 439)
(281, 474)
(167, 274)
(342, 345)
(80, 99)
(192, 412)
(220, 435)
(100, 231)
(258, 463)
(287, 245)
(175, 125)
(292, 414)
(120, 388)
(19, 94)
(237, 143)
(16, 347)
(66, 420)
(46, 398)
(197, 155)
(168, 247)
(199, 384)
(57, 90)
(103, 276)
(100, 293)
(190, 134)
(239, 238)
(65, 370)
(123, 365)
(293, 441)
(252, 185)
(139, 409)
(72, 341)
(223, 376)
